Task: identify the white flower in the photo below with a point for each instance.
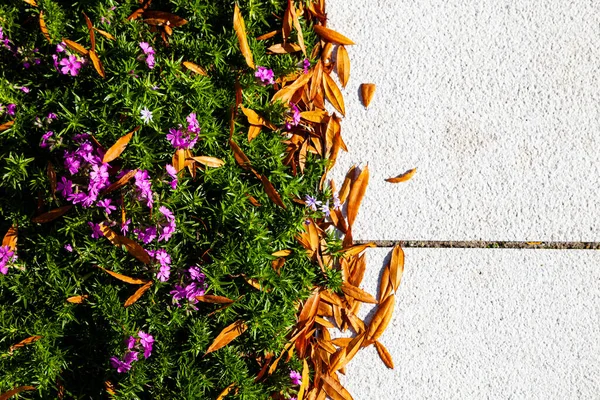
(146, 115)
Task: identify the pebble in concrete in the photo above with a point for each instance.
(496, 103)
(486, 323)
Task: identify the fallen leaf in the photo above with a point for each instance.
(110, 388)
(131, 246)
(138, 293)
(382, 318)
(77, 299)
(253, 117)
(354, 250)
(91, 30)
(253, 132)
(334, 389)
(228, 334)
(6, 125)
(384, 354)
(122, 181)
(396, 267)
(124, 278)
(51, 215)
(297, 26)
(12, 392)
(331, 35)
(116, 149)
(271, 191)
(343, 65)
(385, 286)
(209, 161)
(11, 237)
(333, 94)
(152, 17)
(226, 391)
(24, 342)
(105, 34)
(75, 47)
(239, 155)
(317, 116)
(31, 2)
(195, 68)
(282, 253)
(402, 177)
(357, 192)
(267, 35)
(44, 27)
(252, 200)
(240, 31)
(305, 380)
(367, 90)
(341, 342)
(97, 63)
(309, 310)
(357, 293)
(284, 48)
(286, 93)
(209, 298)
(52, 178)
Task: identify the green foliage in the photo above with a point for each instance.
(218, 229)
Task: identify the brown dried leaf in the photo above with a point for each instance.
(131, 246)
(77, 299)
(24, 342)
(51, 215)
(357, 192)
(152, 17)
(11, 237)
(122, 181)
(284, 48)
(138, 293)
(354, 250)
(124, 278)
(396, 267)
(195, 68)
(323, 322)
(226, 391)
(52, 178)
(253, 201)
(97, 63)
(239, 155)
(334, 389)
(240, 31)
(333, 94)
(210, 298)
(332, 36)
(343, 65)
(297, 26)
(44, 27)
(116, 149)
(209, 161)
(266, 36)
(357, 293)
(402, 177)
(367, 90)
(6, 125)
(385, 355)
(75, 47)
(12, 392)
(309, 310)
(382, 318)
(286, 93)
(105, 34)
(271, 191)
(91, 30)
(228, 334)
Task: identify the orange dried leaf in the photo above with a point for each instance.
(6, 125)
(210, 298)
(240, 31)
(286, 93)
(396, 267)
(226, 391)
(284, 48)
(253, 117)
(91, 30)
(110, 388)
(75, 47)
(271, 191)
(382, 318)
(297, 26)
(97, 63)
(122, 181)
(24, 342)
(52, 178)
(138, 293)
(31, 2)
(357, 293)
(209, 161)
(239, 155)
(385, 287)
(266, 36)
(282, 253)
(195, 68)
(332, 36)
(131, 246)
(124, 278)
(317, 116)
(116, 149)
(402, 177)
(11, 237)
(305, 381)
(228, 334)
(77, 299)
(384, 354)
(367, 90)
(253, 132)
(12, 392)
(334, 389)
(309, 310)
(333, 94)
(51, 215)
(152, 17)
(105, 34)
(354, 250)
(343, 65)
(357, 192)
(44, 27)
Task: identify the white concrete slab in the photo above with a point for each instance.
(497, 104)
(486, 324)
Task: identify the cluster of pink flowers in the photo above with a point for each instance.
(164, 260)
(10, 109)
(144, 342)
(6, 256)
(265, 75)
(295, 377)
(185, 139)
(69, 65)
(149, 53)
(295, 117)
(194, 288)
(143, 187)
(173, 174)
(305, 65)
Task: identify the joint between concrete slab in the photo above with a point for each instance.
(484, 244)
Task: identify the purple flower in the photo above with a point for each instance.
(150, 61)
(295, 117)
(311, 202)
(146, 48)
(77, 198)
(50, 117)
(305, 65)
(130, 357)
(61, 47)
(193, 125)
(146, 341)
(130, 342)
(98, 178)
(196, 274)
(146, 115)
(125, 227)
(265, 75)
(69, 248)
(119, 365)
(96, 231)
(72, 162)
(144, 187)
(70, 65)
(295, 377)
(178, 293)
(6, 255)
(325, 209)
(108, 208)
(146, 235)
(173, 174)
(11, 108)
(25, 89)
(164, 273)
(65, 187)
(336, 201)
(45, 138)
(179, 140)
(192, 290)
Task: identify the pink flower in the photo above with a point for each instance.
(70, 65)
(45, 138)
(130, 342)
(181, 140)
(150, 61)
(61, 47)
(108, 208)
(96, 231)
(144, 187)
(65, 187)
(295, 117)
(6, 256)
(25, 89)
(305, 65)
(295, 377)
(265, 75)
(146, 341)
(173, 174)
(146, 235)
(146, 48)
(69, 248)
(11, 108)
(125, 227)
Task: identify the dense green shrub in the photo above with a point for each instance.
(217, 228)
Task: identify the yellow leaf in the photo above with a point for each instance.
(305, 382)
(138, 293)
(116, 149)
(354, 250)
(195, 68)
(228, 334)
(317, 116)
(332, 36)
(384, 354)
(124, 278)
(333, 94)
(209, 161)
(226, 391)
(105, 34)
(253, 132)
(343, 65)
(282, 253)
(31, 2)
(367, 90)
(240, 30)
(402, 177)
(51, 215)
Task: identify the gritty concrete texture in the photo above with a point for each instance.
(496, 102)
(486, 324)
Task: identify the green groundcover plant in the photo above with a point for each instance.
(201, 235)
